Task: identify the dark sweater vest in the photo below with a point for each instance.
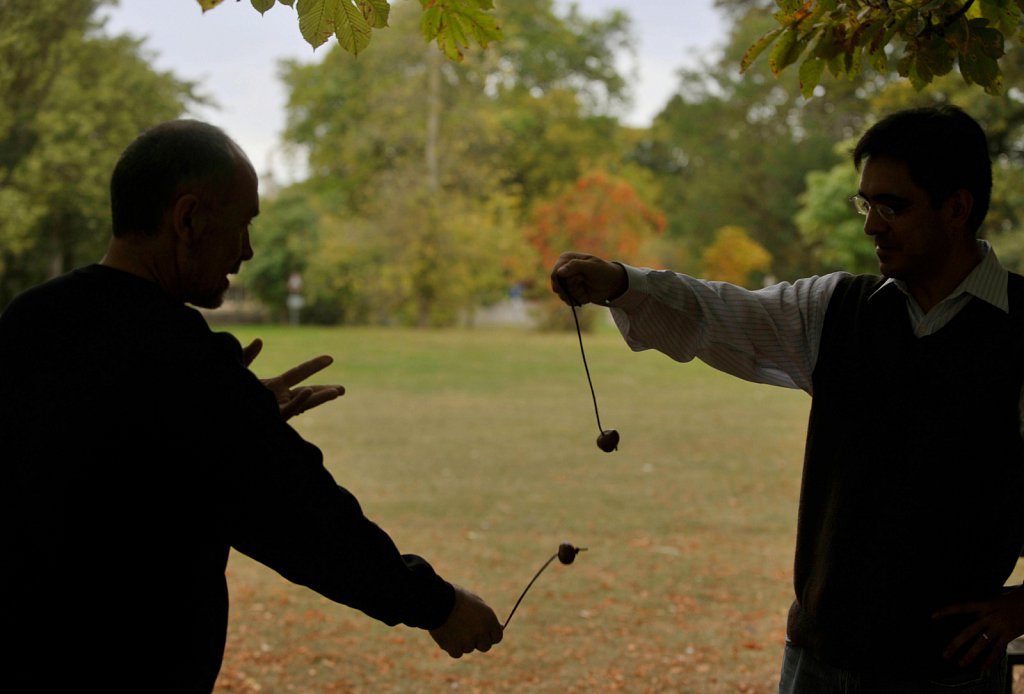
(913, 478)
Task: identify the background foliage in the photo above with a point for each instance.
(925, 39)
(453, 24)
(71, 98)
(436, 188)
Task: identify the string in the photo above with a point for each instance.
(586, 368)
(523, 594)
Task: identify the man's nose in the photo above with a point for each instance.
(873, 223)
(246, 247)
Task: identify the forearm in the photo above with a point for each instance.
(766, 336)
(316, 535)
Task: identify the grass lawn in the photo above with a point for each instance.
(476, 449)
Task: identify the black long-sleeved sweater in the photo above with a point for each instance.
(136, 450)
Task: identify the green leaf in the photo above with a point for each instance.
(958, 34)
(810, 75)
(936, 55)
(316, 20)
(916, 24)
(460, 31)
(262, 6)
(835, 65)
(854, 62)
(1005, 15)
(978, 67)
(904, 64)
(758, 47)
(376, 12)
(880, 62)
(351, 28)
(828, 45)
(870, 33)
(483, 26)
(784, 52)
(917, 80)
(455, 23)
(985, 39)
(208, 4)
(790, 6)
(430, 22)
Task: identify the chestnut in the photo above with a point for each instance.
(608, 440)
(567, 552)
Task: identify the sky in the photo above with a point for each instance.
(232, 52)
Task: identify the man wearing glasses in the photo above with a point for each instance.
(914, 465)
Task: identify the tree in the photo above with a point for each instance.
(828, 226)
(933, 35)
(730, 150)
(601, 214)
(423, 169)
(454, 24)
(70, 100)
(736, 258)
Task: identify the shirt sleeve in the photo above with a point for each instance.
(283, 508)
(768, 335)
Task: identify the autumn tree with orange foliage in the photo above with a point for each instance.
(599, 214)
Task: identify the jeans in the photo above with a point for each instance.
(803, 674)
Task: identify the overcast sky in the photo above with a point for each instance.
(233, 51)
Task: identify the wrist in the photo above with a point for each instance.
(621, 284)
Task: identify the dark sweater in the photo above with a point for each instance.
(913, 477)
(136, 449)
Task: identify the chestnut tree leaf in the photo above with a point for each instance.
(935, 36)
(351, 28)
(316, 20)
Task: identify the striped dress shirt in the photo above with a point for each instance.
(768, 335)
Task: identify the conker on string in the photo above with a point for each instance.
(608, 440)
(567, 552)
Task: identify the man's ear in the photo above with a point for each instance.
(959, 206)
(185, 218)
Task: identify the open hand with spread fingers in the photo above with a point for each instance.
(292, 400)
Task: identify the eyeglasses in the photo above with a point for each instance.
(861, 204)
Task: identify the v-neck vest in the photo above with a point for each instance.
(913, 477)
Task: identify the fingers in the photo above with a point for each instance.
(251, 351)
(561, 287)
(561, 274)
(983, 641)
(472, 626)
(976, 646)
(318, 395)
(300, 373)
(578, 278)
(297, 403)
(309, 397)
(322, 394)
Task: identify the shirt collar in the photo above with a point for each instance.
(987, 281)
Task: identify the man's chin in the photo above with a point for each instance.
(208, 302)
